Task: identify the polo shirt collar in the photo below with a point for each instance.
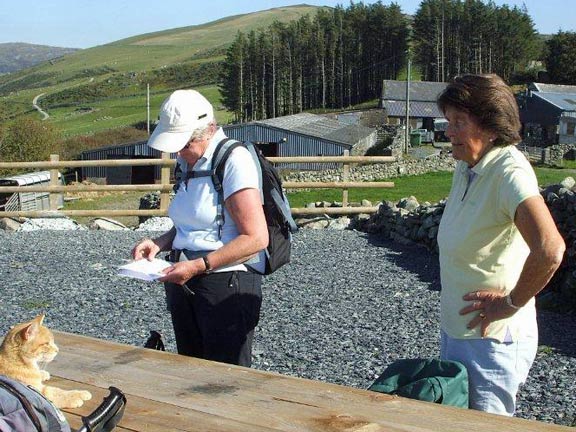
(484, 163)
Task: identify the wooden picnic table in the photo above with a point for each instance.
(168, 392)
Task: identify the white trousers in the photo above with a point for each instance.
(495, 370)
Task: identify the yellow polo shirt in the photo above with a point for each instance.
(480, 246)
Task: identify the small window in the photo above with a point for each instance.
(570, 128)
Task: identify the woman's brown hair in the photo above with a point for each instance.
(489, 99)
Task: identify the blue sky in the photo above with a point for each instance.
(87, 23)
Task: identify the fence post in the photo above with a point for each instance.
(165, 180)
(345, 177)
(53, 197)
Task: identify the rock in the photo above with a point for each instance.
(317, 224)
(9, 224)
(106, 224)
(409, 204)
(341, 223)
(429, 222)
(568, 183)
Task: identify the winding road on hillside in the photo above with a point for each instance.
(45, 115)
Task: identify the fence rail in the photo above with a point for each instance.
(164, 187)
(536, 154)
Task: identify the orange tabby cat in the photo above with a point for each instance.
(23, 348)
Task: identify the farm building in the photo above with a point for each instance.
(122, 174)
(548, 114)
(28, 201)
(296, 135)
(423, 108)
(305, 134)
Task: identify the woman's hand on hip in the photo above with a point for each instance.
(488, 306)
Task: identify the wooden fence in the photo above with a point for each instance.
(164, 187)
(538, 155)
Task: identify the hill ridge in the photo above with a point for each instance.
(15, 56)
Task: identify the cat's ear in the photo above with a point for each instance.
(39, 319)
(32, 329)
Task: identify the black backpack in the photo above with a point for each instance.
(23, 408)
(279, 220)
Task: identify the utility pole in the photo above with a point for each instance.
(407, 130)
(148, 108)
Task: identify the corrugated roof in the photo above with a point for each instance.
(417, 109)
(564, 101)
(320, 127)
(27, 179)
(553, 88)
(422, 91)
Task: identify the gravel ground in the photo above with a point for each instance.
(347, 306)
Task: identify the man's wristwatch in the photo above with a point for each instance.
(509, 302)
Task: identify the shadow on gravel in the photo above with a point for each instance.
(556, 331)
(413, 258)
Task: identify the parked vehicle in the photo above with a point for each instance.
(426, 136)
(440, 126)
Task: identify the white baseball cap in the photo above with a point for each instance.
(182, 113)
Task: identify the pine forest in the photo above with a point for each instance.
(339, 57)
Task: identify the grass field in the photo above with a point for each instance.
(119, 112)
(431, 187)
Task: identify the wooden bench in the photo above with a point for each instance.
(167, 392)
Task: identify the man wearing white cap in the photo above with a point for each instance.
(214, 299)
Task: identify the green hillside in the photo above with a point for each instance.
(105, 87)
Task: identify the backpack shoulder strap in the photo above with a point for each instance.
(222, 153)
(219, 158)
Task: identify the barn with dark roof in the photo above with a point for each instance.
(548, 114)
(301, 134)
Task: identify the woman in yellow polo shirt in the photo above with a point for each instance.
(499, 245)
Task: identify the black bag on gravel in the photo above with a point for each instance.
(155, 341)
(24, 409)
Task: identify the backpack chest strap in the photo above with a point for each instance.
(216, 173)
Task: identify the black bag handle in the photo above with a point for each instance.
(107, 415)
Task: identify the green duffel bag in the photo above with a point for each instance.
(441, 381)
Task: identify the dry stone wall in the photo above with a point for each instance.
(438, 162)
